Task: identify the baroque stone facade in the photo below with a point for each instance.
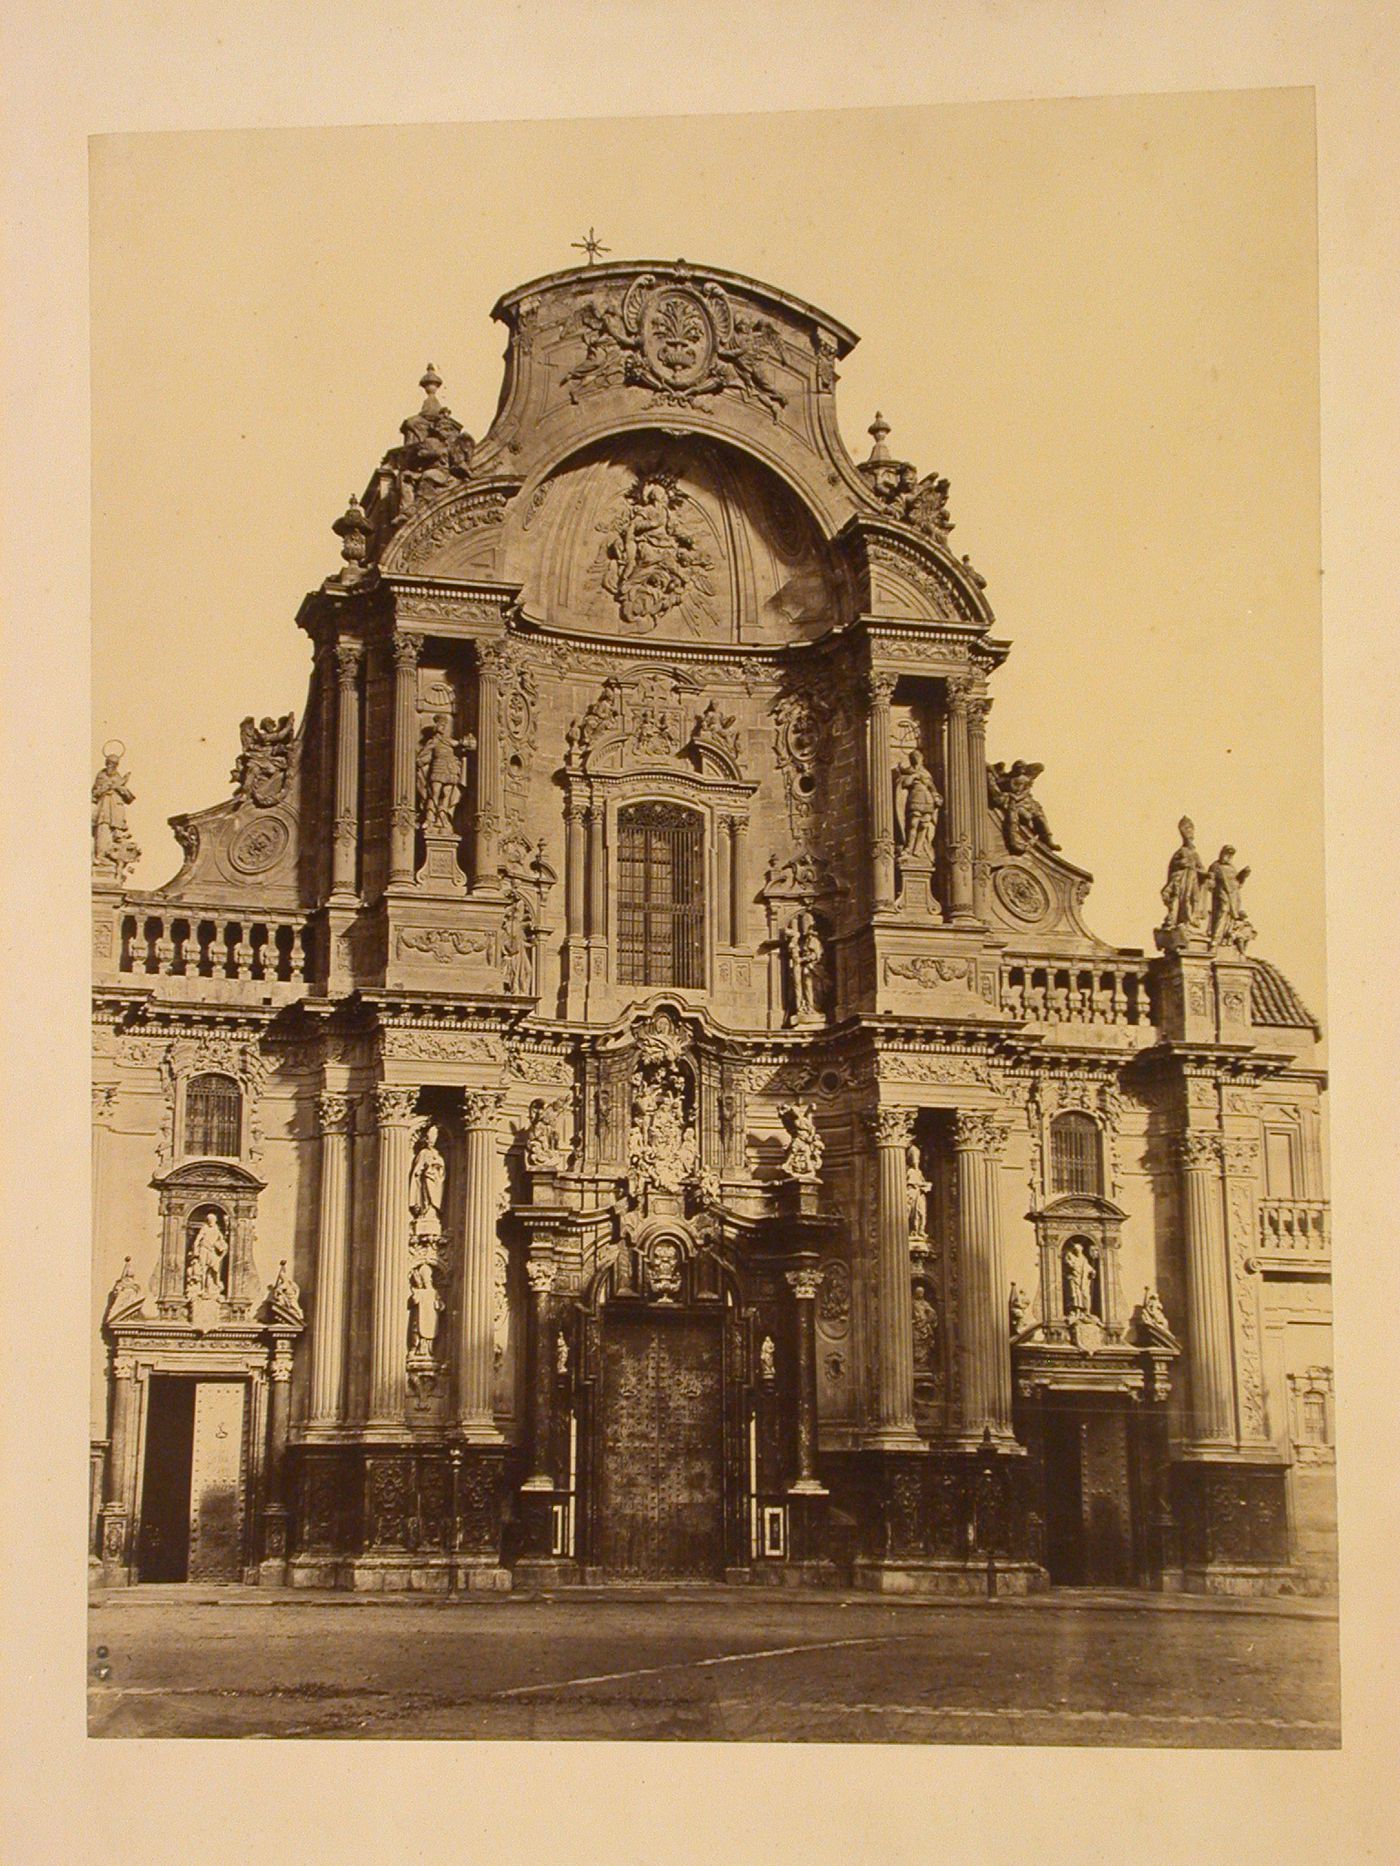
(624, 1086)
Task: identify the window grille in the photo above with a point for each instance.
(660, 895)
(213, 1117)
(1075, 1155)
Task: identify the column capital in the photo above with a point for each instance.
(978, 707)
(123, 1367)
(976, 1131)
(1199, 1152)
(280, 1366)
(335, 1114)
(481, 1107)
(104, 1097)
(395, 1107)
(878, 688)
(405, 648)
(805, 1283)
(348, 656)
(890, 1127)
(540, 1272)
(961, 690)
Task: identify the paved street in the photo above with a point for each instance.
(715, 1665)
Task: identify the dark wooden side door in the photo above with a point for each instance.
(658, 1512)
(1088, 1511)
(163, 1546)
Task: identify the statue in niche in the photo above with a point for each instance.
(803, 1157)
(654, 564)
(561, 1353)
(808, 979)
(208, 1254)
(661, 1146)
(1184, 894)
(917, 803)
(767, 1361)
(1080, 1275)
(925, 1332)
(262, 768)
(114, 849)
(441, 775)
(426, 1178)
(425, 1306)
(284, 1298)
(1228, 924)
(1019, 1308)
(1023, 821)
(545, 1149)
(917, 1187)
(517, 953)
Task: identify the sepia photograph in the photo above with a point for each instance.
(708, 1002)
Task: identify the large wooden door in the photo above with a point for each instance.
(1088, 1511)
(658, 1509)
(216, 1482)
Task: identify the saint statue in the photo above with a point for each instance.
(917, 803)
(803, 1158)
(806, 964)
(767, 1360)
(426, 1305)
(284, 1298)
(425, 1182)
(1079, 1280)
(204, 1267)
(916, 1190)
(1153, 1315)
(544, 1149)
(1228, 925)
(441, 772)
(1183, 896)
(113, 848)
(925, 1332)
(1019, 1306)
(517, 959)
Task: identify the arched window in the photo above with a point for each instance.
(660, 895)
(213, 1117)
(1076, 1160)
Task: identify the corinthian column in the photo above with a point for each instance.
(958, 764)
(488, 767)
(348, 656)
(403, 811)
(476, 1420)
(978, 1140)
(1207, 1294)
(891, 1130)
(978, 708)
(335, 1114)
(806, 1283)
(395, 1118)
(880, 691)
(540, 1273)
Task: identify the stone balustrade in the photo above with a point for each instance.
(190, 943)
(1299, 1230)
(1075, 994)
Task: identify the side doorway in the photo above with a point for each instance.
(193, 1481)
(1088, 1491)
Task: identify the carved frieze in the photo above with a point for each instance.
(929, 972)
(445, 944)
(474, 1046)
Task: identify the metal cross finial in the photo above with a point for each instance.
(591, 247)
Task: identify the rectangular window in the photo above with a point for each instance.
(660, 896)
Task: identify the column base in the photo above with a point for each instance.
(477, 1432)
(894, 1438)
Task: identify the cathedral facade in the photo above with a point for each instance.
(624, 1088)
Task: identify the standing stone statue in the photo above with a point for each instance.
(806, 964)
(916, 1190)
(426, 1178)
(517, 958)
(204, 1268)
(917, 803)
(803, 1159)
(1079, 1280)
(925, 1332)
(441, 774)
(1019, 1308)
(114, 850)
(1228, 925)
(1184, 894)
(426, 1305)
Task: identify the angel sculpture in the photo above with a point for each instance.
(753, 339)
(1228, 925)
(260, 772)
(1023, 821)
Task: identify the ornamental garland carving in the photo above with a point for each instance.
(834, 1299)
(1240, 1220)
(473, 1046)
(930, 972)
(952, 1070)
(444, 944)
(805, 720)
(682, 341)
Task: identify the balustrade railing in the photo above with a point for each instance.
(188, 943)
(1296, 1228)
(1076, 994)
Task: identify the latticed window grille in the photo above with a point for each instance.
(1076, 1155)
(660, 895)
(213, 1116)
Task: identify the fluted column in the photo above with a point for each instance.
(1207, 1293)
(738, 881)
(806, 1283)
(891, 1129)
(274, 1512)
(978, 708)
(403, 810)
(539, 1270)
(395, 1119)
(335, 1114)
(488, 769)
(597, 874)
(115, 1524)
(721, 882)
(985, 1342)
(476, 1419)
(348, 656)
(575, 868)
(958, 764)
(879, 772)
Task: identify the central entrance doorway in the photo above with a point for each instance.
(659, 1425)
(1088, 1497)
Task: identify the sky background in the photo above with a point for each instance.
(1097, 317)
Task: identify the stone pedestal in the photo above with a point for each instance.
(916, 897)
(1234, 1525)
(441, 872)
